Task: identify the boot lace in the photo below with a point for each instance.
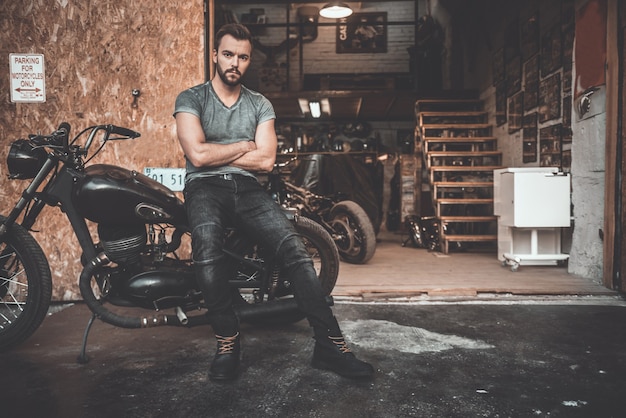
(226, 345)
(341, 344)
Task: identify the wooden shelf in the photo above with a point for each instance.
(467, 139)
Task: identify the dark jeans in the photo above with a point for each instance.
(218, 202)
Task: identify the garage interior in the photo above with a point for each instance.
(476, 338)
(374, 104)
(410, 102)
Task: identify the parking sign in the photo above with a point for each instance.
(28, 78)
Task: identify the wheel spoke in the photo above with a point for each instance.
(11, 304)
(25, 285)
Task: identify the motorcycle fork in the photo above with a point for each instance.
(61, 194)
(28, 195)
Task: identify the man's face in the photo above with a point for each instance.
(232, 59)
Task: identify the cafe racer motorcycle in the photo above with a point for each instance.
(137, 260)
(345, 220)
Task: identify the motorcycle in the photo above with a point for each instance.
(347, 223)
(423, 232)
(139, 258)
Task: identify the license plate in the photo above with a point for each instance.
(172, 178)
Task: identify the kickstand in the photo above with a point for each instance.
(83, 358)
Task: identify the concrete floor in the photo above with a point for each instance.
(449, 336)
(432, 360)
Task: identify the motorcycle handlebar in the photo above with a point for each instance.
(278, 166)
(124, 132)
(63, 132)
(60, 138)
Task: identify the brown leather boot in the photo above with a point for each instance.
(225, 364)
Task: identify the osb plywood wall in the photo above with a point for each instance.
(96, 53)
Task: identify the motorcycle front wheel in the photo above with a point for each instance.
(25, 286)
(353, 231)
(325, 257)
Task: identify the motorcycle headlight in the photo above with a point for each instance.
(24, 161)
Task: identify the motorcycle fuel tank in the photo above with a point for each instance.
(114, 195)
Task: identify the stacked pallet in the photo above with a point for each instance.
(459, 154)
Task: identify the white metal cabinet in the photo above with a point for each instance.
(532, 205)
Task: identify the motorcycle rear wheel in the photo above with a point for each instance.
(25, 286)
(325, 256)
(356, 237)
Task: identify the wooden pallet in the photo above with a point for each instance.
(441, 187)
(445, 143)
(475, 157)
(460, 155)
(447, 239)
(445, 173)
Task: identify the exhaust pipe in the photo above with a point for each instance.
(182, 317)
(245, 312)
(251, 312)
(272, 308)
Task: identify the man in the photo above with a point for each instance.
(227, 134)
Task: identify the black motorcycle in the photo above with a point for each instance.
(423, 232)
(345, 220)
(141, 258)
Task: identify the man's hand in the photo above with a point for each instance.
(263, 157)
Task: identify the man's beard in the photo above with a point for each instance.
(229, 82)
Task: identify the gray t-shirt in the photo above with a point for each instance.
(222, 124)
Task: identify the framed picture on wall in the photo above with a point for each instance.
(567, 81)
(529, 136)
(500, 104)
(550, 98)
(531, 82)
(362, 33)
(567, 114)
(551, 50)
(513, 75)
(516, 112)
(550, 146)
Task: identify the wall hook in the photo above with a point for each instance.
(135, 104)
(136, 93)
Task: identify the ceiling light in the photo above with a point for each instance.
(315, 108)
(304, 106)
(325, 106)
(335, 10)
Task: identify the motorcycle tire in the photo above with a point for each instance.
(323, 251)
(356, 240)
(25, 286)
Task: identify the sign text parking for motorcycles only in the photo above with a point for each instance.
(28, 78)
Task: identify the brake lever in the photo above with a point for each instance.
(38, 140)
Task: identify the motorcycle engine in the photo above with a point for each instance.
(134, 284)
(123, 244)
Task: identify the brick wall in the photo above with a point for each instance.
(319, 56)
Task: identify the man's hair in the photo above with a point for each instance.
(236, 30)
